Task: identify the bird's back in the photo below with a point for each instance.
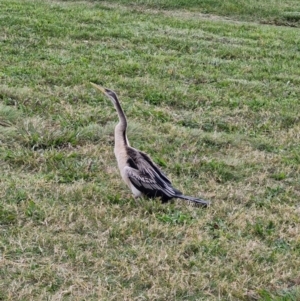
(147, 177)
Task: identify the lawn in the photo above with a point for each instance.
(211, 93)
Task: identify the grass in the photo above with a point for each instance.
(267, 12)
(213, 100)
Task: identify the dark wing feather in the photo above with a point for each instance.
(147, 177)
(149, 183)
(131, 163)
(139, 157)
(155, 167)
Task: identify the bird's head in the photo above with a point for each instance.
(109, 93)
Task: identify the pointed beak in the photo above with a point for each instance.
(98, 88)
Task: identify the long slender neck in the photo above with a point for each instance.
(120, 129)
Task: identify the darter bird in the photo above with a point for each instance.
(139, 172)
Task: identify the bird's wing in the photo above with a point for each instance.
(155, 167)
(146, 175)
(149, 182)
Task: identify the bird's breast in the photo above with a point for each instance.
(122, 158)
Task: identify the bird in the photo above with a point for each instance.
(138, 171)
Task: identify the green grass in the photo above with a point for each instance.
(265, 11)
(214, 99)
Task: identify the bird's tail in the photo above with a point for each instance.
(194, 201)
